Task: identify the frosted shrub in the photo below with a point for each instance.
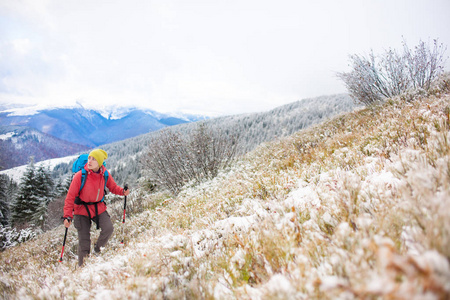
(172, 160)
(375, 78)
(10, 237)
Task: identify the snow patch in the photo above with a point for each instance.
(6, 136)
(17, 172)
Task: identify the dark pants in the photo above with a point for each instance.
(83, 226)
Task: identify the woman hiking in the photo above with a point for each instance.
(85, 203)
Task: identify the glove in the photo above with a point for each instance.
(67, 221)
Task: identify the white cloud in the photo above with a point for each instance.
(21, 46)
(222, 56)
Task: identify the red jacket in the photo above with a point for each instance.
(93, 191)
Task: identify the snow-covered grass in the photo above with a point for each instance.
(354, 208)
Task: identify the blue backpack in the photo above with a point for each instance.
(78, 165)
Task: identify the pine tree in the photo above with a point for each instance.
(45, 184)
(27, 202)
(44, 192)
(4, 203)
(62, 186)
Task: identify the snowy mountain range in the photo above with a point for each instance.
(91, 127)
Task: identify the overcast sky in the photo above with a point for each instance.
(210, 56)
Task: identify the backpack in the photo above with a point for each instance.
(77, 166)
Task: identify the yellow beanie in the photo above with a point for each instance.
(99, 155)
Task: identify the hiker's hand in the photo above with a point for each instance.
(67, 223)
(126, 192)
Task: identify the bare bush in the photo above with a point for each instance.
(424, 64)
(374, 79)
(211, 150)
(173, 160)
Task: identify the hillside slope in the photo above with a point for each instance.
(19, 143)
(357, 207)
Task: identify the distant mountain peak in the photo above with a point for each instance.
(92, 127)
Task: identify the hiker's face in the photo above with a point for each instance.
(92, 164)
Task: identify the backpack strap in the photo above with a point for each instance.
(85, 204)
(83, 179)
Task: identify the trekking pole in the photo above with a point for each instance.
(64, 244)
(124, 210)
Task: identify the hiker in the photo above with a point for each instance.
(85, 203)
